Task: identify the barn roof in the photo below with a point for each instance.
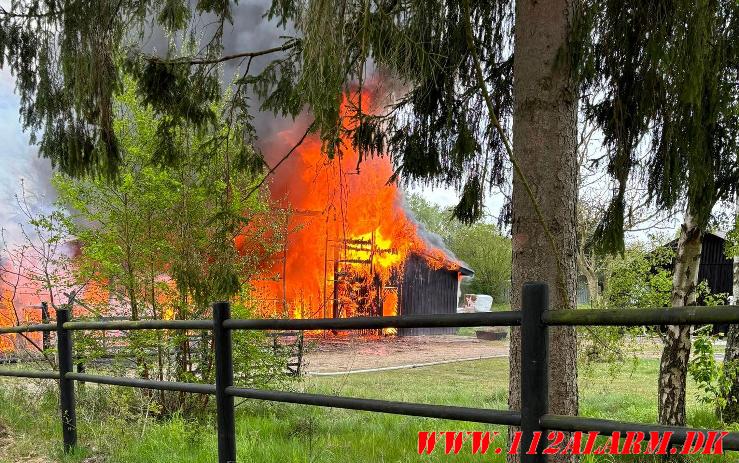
(466, 271)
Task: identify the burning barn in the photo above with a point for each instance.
(348, 248)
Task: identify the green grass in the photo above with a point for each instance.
(286, 433)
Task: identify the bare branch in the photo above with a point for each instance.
(204, 61)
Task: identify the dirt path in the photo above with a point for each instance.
(340, 355)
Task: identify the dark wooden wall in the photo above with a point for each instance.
(715, 268)
(427, 291)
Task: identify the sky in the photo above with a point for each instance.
(20, 166)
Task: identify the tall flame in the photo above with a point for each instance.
(346, 237)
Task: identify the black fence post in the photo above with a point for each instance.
(66, 386)
(46, 336)
(224, 378)
(534, 374)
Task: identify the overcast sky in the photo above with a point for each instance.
(19, 161)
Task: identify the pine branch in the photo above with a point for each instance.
(11, 14)
(204, 61)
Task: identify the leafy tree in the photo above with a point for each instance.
(661, 83)
(489, 254)
(433, 218)
(163, 240)
(639, 278)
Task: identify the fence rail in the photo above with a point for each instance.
(534, 319)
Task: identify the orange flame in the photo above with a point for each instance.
(346, 237)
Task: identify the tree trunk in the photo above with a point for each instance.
(591, 278)
(544, 139)
(676, 350)
(593, 289)
(730, 412)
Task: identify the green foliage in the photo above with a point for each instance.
(69, 60)
(256, 363)
(714, 379)
(481, 246)
(488, 252)
(660, 80)
(706, 371)
(179, 220)
(731, 246)
(161, 241)
(640, 278)
(708, 298)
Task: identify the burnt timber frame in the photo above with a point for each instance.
(534, 319)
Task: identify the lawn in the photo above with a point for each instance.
(282, 433)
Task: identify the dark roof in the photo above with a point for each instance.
(450, 260)
(466, 271)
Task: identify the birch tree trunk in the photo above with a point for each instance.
(730, 412)
(544, 139)
(676, 350)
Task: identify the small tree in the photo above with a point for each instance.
(641, 277)
(162, 239)
(39, 265)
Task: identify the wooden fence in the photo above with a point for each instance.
(535, 318)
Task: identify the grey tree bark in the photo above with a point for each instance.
(676, 350)
(730, 411)
(544, 142)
